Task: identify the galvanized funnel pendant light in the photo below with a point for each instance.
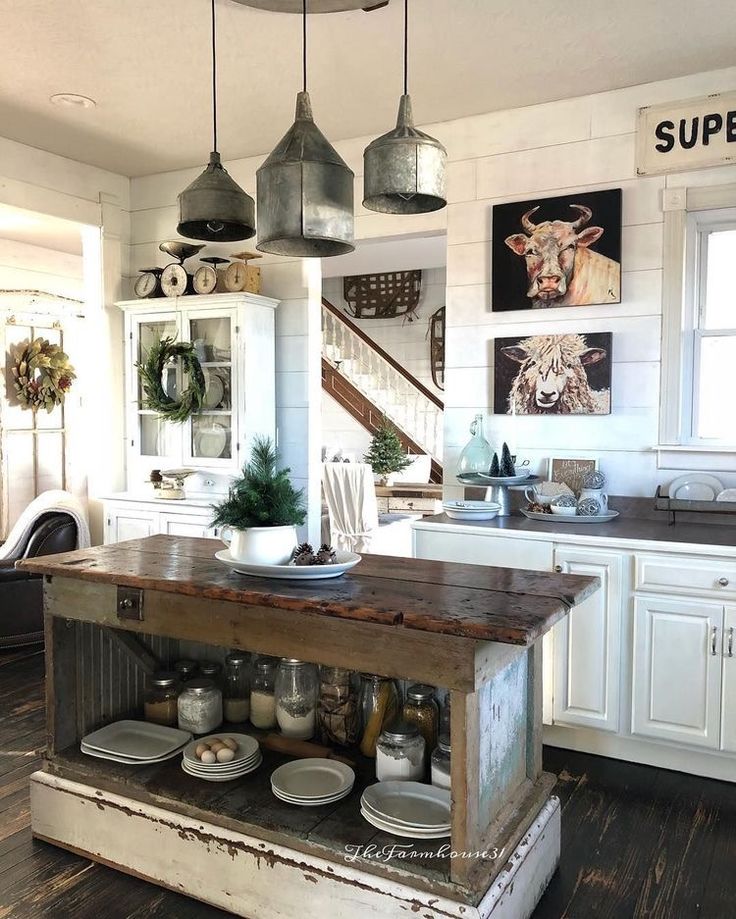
(305, 190)
(404, 170)
(214, 207)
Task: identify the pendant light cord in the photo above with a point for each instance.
(304, 45)
(214, 82)
(406, 47)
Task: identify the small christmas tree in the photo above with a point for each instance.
(495, 468)
(507, 464)
(386, 454)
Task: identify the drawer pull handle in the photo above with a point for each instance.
(713, 640)
(558, 568)
(723, 582)
(729, 650)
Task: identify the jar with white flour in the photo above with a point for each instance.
(297, 687)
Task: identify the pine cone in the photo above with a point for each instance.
(326, 555)
(304, 554)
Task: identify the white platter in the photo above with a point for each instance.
(695, 486)
(214, 391)
(248, 748)
(576, 518)
(345, 561)
(211, 441)
(308, 779)
(415, 804)
(425, 827)
(221, 778)
(728, 494)
(404, 831)
(127, 760)
(504, 479)
(137, 740)
(471, 510)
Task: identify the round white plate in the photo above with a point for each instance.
(505, 479)
(575, 518)
(312, 778)
(311, 802)
(214, 768)
(220, 778)
(402, 830)
(471, 510)
(728, 494)
(242, 768)
(248, 747)
(211, 441)
(214, 391)
(425, 827)
(685, 487)
(345, 561)
(421, 806)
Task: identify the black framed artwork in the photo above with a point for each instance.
(553, 374)
(561, 251)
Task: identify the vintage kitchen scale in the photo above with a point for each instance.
(175, 279)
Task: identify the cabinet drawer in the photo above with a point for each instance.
(411, 505)
(677, 574)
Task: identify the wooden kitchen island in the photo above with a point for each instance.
(115, 612)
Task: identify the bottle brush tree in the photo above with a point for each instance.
(263, 496)
(507, 464)
(386, 454)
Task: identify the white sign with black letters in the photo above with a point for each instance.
(679, 136)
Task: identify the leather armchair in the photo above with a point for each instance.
(21, 593)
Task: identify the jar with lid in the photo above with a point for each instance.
(440, 769)
(338, 717)
(211, 670)
(236, 694)
(297, 686)
(379, 705)
(186, 669)
(400, 753)
(421, 709)
(200, 707)
(262, 693)
(159, 700)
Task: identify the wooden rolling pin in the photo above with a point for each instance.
(301, 749)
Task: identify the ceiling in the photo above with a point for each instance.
(147, 66)
(42, 230)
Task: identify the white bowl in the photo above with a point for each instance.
(563, 511)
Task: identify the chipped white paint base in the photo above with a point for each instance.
(260, 880)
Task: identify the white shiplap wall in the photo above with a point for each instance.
(27, 267)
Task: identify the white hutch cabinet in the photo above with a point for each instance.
(234, 339)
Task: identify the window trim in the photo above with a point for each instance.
(678, 284)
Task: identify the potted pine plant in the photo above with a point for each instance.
(386, 454)
(262, 510)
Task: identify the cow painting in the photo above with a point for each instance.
(561, 253)
(553, 375)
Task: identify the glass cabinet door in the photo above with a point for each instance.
(212, 438)
(155, 436)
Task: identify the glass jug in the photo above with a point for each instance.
(477, 455)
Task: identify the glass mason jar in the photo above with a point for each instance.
(186, 669)
(296, 698)
(441, 757)
(379, 705)
(338, 716)
(236, 693)
(200, 707)
(211, 670)
(159, 700)
(400, 753)
(421, 709)
(262, 693)
(476, 455)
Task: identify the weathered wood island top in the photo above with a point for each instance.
(115, 612)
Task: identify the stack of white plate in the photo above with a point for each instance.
(136, 743)
(247, 759)
(471, 510)
(408, 809)
(312, 782)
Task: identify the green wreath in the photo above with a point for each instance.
(42, 374)
(151, 373)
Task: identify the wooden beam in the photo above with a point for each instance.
(134, 649)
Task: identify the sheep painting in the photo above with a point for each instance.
(563, 251)
(553, 375)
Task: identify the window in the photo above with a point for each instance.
(709, 333)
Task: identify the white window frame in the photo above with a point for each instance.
(684, 221)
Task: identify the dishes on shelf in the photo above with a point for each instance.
(410, 809)
(312, 782)
(575, 518)
(291, 572)
(518, 479)
(214, 390)
(135, 742)
(471, 510)
(210, 441)
(695, 486)
(246, 757)
(728, 494)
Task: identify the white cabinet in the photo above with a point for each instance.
(481, 549)
(128, 517)
(728, 695)
(129, 523)
(677, 670)
(587, 651)
(181, 525)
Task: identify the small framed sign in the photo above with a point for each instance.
(570, 471)
(693, 134)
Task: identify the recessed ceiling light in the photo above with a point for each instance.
(72, 100)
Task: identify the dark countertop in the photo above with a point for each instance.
(624, 527)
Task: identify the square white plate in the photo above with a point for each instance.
(136, 739)
(127, 760)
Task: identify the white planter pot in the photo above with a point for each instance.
(262, 545)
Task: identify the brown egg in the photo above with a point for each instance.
(209, 757)
(230, 743)
(217, 746)
(225, 755)
(201, 747)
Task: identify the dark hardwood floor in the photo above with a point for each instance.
(638, 842)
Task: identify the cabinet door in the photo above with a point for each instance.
(677, 670)
(181, 525)
(133, 524)
(728, 698)
(587, 643)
